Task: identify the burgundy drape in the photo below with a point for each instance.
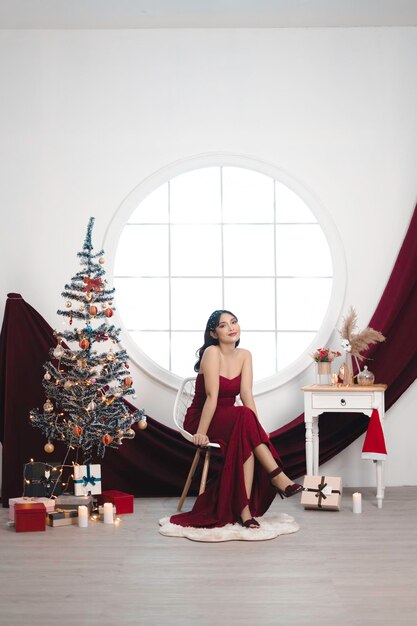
(157, 460)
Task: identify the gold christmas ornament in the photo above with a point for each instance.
(68, 304)
(68, 384)
(58, 352)
(49, 447)
(101, 260)
(88, 297)
(48, 407)
(47, 376)
(142, 424)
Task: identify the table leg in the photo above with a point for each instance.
(379, 484)
(316, 445)
(309, 444)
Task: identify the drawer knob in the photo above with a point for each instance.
(343, 402)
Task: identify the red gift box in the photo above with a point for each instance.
(29, 517)
(122, 501)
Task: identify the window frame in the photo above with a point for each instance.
(219, 159)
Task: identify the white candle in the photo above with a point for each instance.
(82, 516)
(357, 502)
(108, 513)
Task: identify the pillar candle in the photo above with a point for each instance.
(357, 502)
(82, 516)
(108, 513)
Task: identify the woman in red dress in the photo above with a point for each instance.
(251, 474)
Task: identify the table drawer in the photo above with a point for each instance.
(342, 401)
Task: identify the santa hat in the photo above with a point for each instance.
(374, 444)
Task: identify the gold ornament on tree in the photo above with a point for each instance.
(354, 342)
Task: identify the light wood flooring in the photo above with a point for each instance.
(339, 569)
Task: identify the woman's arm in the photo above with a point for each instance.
(210, 367)
(246, 382)
(246, 385)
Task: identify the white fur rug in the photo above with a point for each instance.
(271, 526)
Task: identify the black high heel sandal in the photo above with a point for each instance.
(290, 490)
(250, 523)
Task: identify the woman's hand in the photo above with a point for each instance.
(200, 440)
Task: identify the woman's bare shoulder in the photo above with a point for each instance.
(246, 354)
(211, 355)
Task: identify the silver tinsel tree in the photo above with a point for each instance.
(84, 387)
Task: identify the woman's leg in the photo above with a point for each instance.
(265, 458)
(248, 471)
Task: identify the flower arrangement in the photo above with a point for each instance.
(325, 355)
(354, 342)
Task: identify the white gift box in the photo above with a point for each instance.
(87, 479)
(48, 502)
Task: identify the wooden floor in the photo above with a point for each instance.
(339, 569)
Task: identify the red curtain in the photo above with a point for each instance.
(156, 462)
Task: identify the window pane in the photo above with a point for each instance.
(155, 345)
(262, 347)
(302, 303)
(248, 250)
(247, 196)
(302, 251)
(143, 303)
(290, 207)
(183, 349)
(196, 251)
(195, 196)
(142, 251)
(252, 300)
(291, 346)
(193, 300)
(223, 237)
(153, 209)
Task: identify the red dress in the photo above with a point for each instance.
(238, 431)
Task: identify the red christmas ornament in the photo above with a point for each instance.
(106, 439)
(93, 310)
(128, 382)
(84, 344)
(78, 431)
(108, 312)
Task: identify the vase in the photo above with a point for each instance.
(323, 373)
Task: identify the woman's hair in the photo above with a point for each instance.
(213, 322)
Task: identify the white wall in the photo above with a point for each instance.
(87, 115)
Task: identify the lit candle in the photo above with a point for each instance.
(82, 516)
(357, 502)
(108, 513)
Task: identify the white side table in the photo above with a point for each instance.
(354, 398)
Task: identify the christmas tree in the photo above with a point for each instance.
(84, 405)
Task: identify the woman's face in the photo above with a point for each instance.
(228, 329)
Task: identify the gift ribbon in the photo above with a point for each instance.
(87, 479)
(319, 492)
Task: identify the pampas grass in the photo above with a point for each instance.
(359, 341)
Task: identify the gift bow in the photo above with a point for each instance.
(320, 491)
(92, 284)
(88, 479)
